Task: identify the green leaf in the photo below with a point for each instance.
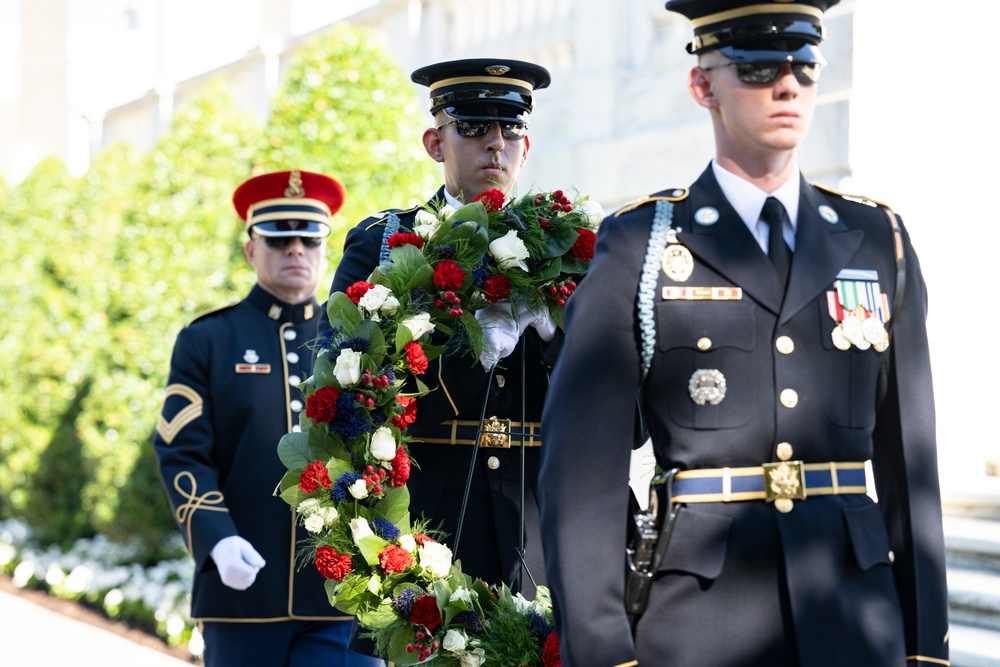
(370, 547)
(395, 507)
(475, 333)
(380, 617)
(549, 269)
(293, 495)
(474, 212)
(397, 647)
(408, 261)
(349, 594)
(558, 240)
(574, 265)
(371, 332)
(403, 337)
(324, 446)
(289, 479)
(342, 311)
(293, 450)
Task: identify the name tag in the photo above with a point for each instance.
(253, 368)
(679, 293)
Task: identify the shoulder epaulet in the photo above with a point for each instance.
(675, 194)
(211, 311)
(861, 199)
(380, 217)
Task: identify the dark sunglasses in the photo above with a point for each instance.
(478, 128)
(282, 242)
(762, 73)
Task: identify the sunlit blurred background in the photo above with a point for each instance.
(105, 103)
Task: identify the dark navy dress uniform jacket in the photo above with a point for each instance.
(837, 581)
(487, 546)
(232, 371)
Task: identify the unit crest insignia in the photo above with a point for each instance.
(677, 262)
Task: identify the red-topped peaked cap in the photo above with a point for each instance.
(757, 30)
(289, 203)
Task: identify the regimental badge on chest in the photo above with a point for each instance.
(251, 366)
(677, 262)
(860, 309)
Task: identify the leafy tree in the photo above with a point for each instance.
(346, 109)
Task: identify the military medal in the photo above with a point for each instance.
(677, 261)
(860, 309)
(707, 386)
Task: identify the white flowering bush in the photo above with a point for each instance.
(104, 574)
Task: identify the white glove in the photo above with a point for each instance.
(500, 333)
(543, 324)
(238, 562)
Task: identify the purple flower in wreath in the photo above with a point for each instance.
(330, 339)
(469, 620)
(515, 219)
(482, 272)
(357, 344)
(406, 599)
(386, 530)
(340, 492)
(420, 300)
(350, 421)
(539, 625)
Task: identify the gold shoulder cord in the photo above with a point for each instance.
(682, 194)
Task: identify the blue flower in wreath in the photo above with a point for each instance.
(539, 625)
(340, 491)
(406, 599)
(386, 530)
(350, 421)
(470, 620)
(357, 344)
(516, 219)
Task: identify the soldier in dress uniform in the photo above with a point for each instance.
(232, 394)
(481, 109)
(775, 334)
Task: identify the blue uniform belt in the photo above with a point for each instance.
(502, 433)
(793, 480)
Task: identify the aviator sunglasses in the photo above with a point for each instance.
(762, 73)
(282, 242)
(511, 131)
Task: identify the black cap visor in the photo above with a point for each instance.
(291, 228)
(774, 52)
(484, 104)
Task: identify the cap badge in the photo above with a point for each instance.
(251, 356)
(707, 386)
(497, 70)
(295, 188)
(706, 216)
(677, 262)
(828, 214)
(294, 224)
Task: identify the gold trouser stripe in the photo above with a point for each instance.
(630, 663)
(223, 619)
(515, 439)
(934, 661)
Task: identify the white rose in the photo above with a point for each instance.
(308, 505)
(407, 542)
(446, 211)
(461, 594)
(474, 658)
(348, 368)
(382, 445)
(419, 325)
(374, 298)
(454, 641)
(329, 514)
(522, 604)
(509, 251)
(314, 523)
(359, 489)
(593, 211)
(435, 558)
(426, 224)
(360, 529)
(390, 305)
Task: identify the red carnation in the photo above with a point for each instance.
(492, 200)
(550, 651)
(315, 475)
(448, 275)
(405, 238)
(322, 405)
(584, 246)
(395, 559)
(496, 288)
(422, 539)
(425, 612)
(409, 412)
(357, 290)
(400, 471)
(415, 357)
(331, 564)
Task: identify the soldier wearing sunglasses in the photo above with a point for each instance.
(231, 395)
(480, 110)
(774, 333)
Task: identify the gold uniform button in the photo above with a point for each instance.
(501, 381)
(789, 398)
(493, 463)
(892, 557)
(785, 345)
(704, 344)
(784, 451)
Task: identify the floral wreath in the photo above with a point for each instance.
(348, 467)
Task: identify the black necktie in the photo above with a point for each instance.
(775, 215)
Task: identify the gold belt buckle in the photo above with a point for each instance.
(784, 481)
(496, 433)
